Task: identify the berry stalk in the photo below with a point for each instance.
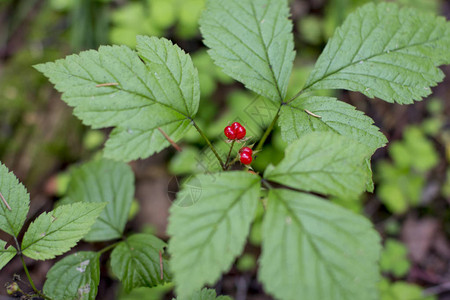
(229, 153)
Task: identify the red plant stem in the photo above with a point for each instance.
(170, 140)
(4, 201)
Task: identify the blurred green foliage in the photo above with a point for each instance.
(156, 293)
(394, 258)
(446, 186)
(93, 139)
(155, 18)
(401, 290)
(246, 262)
(315, 28)
(401, 181)
(88, 21)
(209, 74)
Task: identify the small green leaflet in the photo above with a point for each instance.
(208, 235)
(75, 277)
(6, 254)
(136, 261)
(385, 51)
(104, 181)
(204, 294)
(18, 199)
(311, 113)
(323, 250)
(252, 41)
(56, 232)
(325, 163)
(112, 87)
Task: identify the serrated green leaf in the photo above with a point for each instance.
(325, 251)
(323, 162)
(312, 113)
(385, 51)
(252, 41)
(208, 235)
(6, 254)
(161, 93)
(108, 182)
(75, 277)
(56, 232)
(18, 199)
(136, 261)
(204, 294)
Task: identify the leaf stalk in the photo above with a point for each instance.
(209, 144)
(229, 153)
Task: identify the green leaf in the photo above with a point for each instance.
(145, 293)
(401, 290)
(208, 235)
(386, 52)
(414, 151)
(204, 294)
(325, 251)
(18, 199)
(161, 93)
(312, 113)
(6, 254)
(104, 181)
(252, 41)
(74, 277)
(323, 162)
(56, 232)
(136, 261)
(394, 258)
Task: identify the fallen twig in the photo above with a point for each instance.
(107, 84)
(312, 114)
(4, 201)
(170, 140)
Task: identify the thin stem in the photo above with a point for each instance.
(107, 248)
(233, 161)
(28, 275)
(209, 144)
(170, 140)
(229, 153)
(30, 280)
(295, 96)
(268, 131)
(266, 184)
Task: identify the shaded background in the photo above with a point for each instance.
(40, 139)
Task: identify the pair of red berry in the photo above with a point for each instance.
(246, 155)
(235, 132)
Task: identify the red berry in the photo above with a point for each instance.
(246, 150)
(235, 125)
(230, 133)
(246, 158)
(239, 129)
(240, 132)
